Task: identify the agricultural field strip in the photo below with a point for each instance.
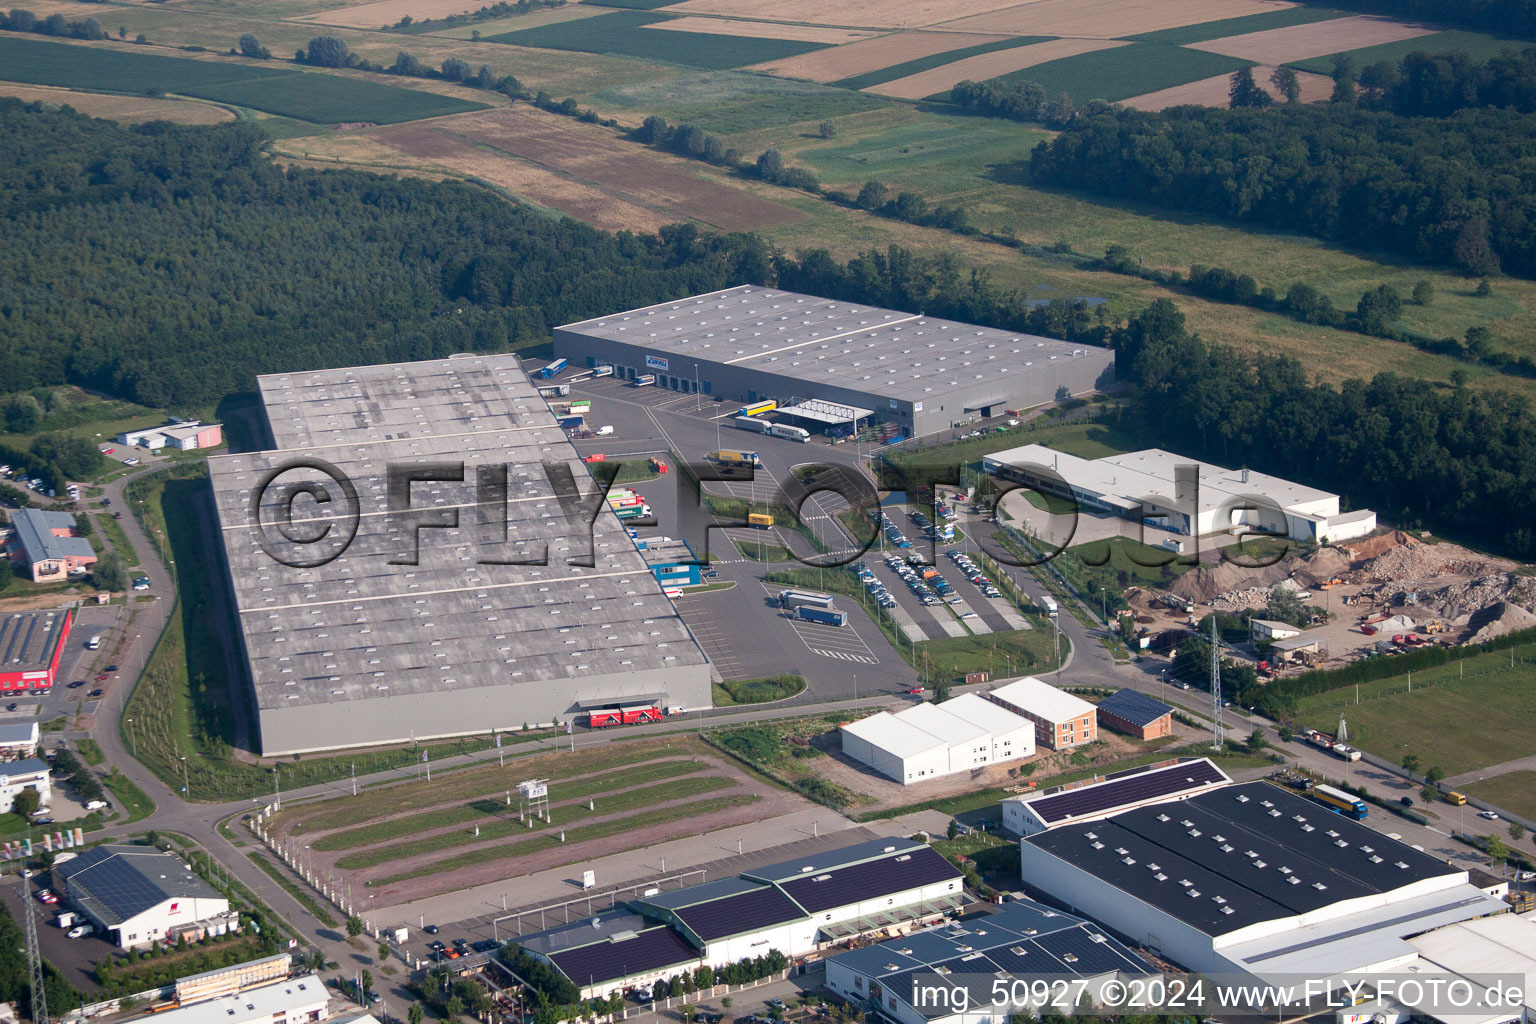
(890, 14)
(388, 12)
(467, 783)
(912, 67)
(1301, 42)
(1106, 19)
(994, 64)
(502, 827)
(762, 30)
(1236, 26)
(700, 810)
(1476, 45)
(1216, 91)
(491, 805)
(616, 33)
(127, 109)
(874, 55)
(1130, 70)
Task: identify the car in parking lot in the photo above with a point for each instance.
(130, 462)
(109, 451)
(96, 692)
(46, 896)
(430, 929)
(117, 515)
(76, 684)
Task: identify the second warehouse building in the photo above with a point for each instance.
(836, 362)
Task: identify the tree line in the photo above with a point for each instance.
(1458, 190)
(1439, 84)
(1418, 453)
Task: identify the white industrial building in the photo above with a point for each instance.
(28, 773)
(301, 1000)
(138, 895)
(1143, 486)
(1061, 720)
(1254, 880)
(794, 907)
(1097, 798)
(18, 740)
(928, 741)
(1021, 942)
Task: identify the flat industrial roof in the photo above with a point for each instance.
(936, 719)
(117, 883)
(1502, 944)
(1123, 790)
(826, 412)
(1236, 856)
(28, 639)
(361, 627)
(828, 860)
(263, 1003)
(1151, 472)
(894, 734)
(1043, 699)
(823, 341)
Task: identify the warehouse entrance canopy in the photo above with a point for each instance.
(827, 412)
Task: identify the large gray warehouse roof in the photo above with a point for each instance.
(837, 344)
(360, 627)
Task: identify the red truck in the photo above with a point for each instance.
(633, 715)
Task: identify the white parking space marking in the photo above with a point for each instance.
(840, 642)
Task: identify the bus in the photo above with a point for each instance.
(1339, 802)
(759, 519)
(757, 408)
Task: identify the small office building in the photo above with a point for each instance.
(1136, 714)
(138, 895)
(1061, 720)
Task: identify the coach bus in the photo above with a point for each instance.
(1339, 802)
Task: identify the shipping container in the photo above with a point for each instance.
(825, 616)
(796, 598)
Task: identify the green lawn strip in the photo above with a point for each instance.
(763, 551)
(1208, 30)
(90, 750)
(1449, 721)
(479, 781)
(1001, 654)
(700, 810)
(624, 33)
(739, 508)
(1513, 791)
(305, 898)
(631, 5)
(1124, 71)
(912, 67)
(505, 827)
(1477, 45)
(79, 66)
(758, 691)
(132, 800)
(113, 530)
(494, 805)
(330, 99)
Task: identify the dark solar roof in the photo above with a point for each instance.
(1022, 939)
(1135, 707)
(588, 930)
(701, 893)
(1097, 798)
(117, 883)
(743, 912)
(650, 950)
(1238, 855)
(820, 890)
(827, 860)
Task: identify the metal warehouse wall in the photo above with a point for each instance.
(356, 723)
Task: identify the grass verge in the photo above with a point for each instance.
(292, 888)
(130, 798)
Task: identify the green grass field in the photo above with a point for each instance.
(1477, 45)
(1125, 71)
(1513, 791)
(625, 33)
(730, 102)
(912, 67)
(631, 5)
(1456, 723)
(328, 99)
(41, 62)
(1239, 26)
(1014, 653)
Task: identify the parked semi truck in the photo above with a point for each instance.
(753, 424)
(825, 616)
(733, 459)
(645, 380)
(1049, 604)
(790, 433)
(551, 370)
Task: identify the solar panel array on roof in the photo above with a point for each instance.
(701, 893)
(872, 849)
(119, 883)
(896, 873)
(743, 912)
(650, 950)
(1131, 789)
(1233, 857)
(1135, 707)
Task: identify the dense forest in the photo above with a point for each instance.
(1439, 84)
(1504, 17)
(1415, 452)
(1459, 190)
(172, 264)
